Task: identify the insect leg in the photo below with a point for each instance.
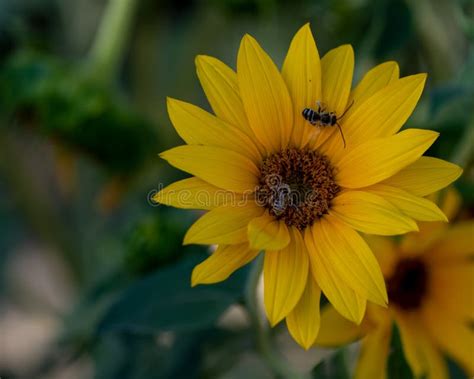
(349, 107)
(342, 134)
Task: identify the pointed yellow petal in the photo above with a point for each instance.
(426, 175)
(337, 67)
(373, 355)
(222, 90)
(346, 301)
(419, 348)
(384, 113)
(284, 273)
(223, 225)
(198, 127)
(454, 337)
(303, 320)
(220, 167)
(267, 233)
(370, 213)
(351, 258)
(266, 100)
(385, 251)
(410, 334)
(413, 206)
(373, 81)
(378, 159)
(302, 74)
(222, 263)
(194, 193)
(336, 330)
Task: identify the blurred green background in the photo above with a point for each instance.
(93, 277)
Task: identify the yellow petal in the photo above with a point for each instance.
(198, 127)
(410, 335)
(373, 81)
(378, 159)
(454, 337)
(266, 100)
(337, 67)
(194, 193)
(384, 113)
(452, 288)
(413, 206)
(223, 168)
(426, 175)
(346, 301)
(285, 273)
(351, 258)
(302, 74)
(373, 355)
(450, 202)
(370, 213)
(419, 348)
(267, 233)
(223, 225)
(222, 90)
(303, 320)
(336, 330)
(222, 263)
(457, 242)
(385, 251)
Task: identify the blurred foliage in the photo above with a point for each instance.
(64, 104)
(334, 367)
(135, 315)
(397, 366)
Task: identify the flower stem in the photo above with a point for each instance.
(107, 50)
(273, 359)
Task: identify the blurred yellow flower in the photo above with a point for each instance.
(430, 282)
(272, 181)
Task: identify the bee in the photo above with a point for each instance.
(280, 199)
(323, 118)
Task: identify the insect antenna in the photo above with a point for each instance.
(342, 134)
(349, 107)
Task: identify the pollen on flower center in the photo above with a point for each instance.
(408, 285)
(297, 186)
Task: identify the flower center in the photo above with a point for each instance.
(297, 186)
(408, 285)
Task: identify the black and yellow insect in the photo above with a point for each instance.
(321, 117)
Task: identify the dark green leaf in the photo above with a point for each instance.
(165, 301)
(135, 356)
(397, 366)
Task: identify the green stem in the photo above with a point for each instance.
(111, 40)
(273, 359)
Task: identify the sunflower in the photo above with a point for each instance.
(430, 281)
(273, 182)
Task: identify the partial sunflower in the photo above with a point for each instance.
(272, 181)
(430, 282)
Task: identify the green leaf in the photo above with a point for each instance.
(335, 367)
(135, 356)
(397, 366)
(165, 301)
